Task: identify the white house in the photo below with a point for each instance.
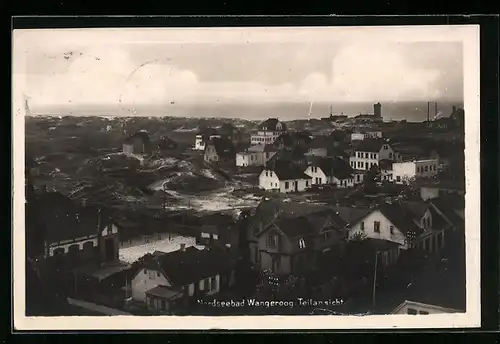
(268, 131)
(370, 153)
(204, 136)
(359, 136)
(256, 155)
(331, 171)
(418, 308)
(405, 171)
(285, 177)
(398, 223)
(162, 282)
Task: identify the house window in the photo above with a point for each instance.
(362, 225)
(202, 284)
(145, 271)
(426, 168)
(391, 228)
(307, 183)
(157, 274)
(418, 169)
(286, 185)
(267, 174)
(398, 178)
(423, 312)
(376, 227)
(302, 243)
(390, 155)
(411, 311)
(272, 241)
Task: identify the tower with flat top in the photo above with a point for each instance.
(377, 110)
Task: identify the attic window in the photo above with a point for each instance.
(302, 243)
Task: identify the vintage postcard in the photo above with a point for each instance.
(246, 178)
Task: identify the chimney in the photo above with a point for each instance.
(428, 111)
(183, 247)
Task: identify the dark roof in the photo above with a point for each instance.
(351, 215)
(270, 124)
(62, 219)
(294, 226)
(371, 145)
(192, 265)
(286, 170)
(335, 167)
(401, 216)
(449, 209)
(141, 135)
(269, 210)
(320, 142)
(263, 148)
(163, 292)
(223, 146)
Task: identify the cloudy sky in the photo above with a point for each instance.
(159, 66)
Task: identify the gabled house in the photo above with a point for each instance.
(395, 226)
(288, 238)
(138, 144)
(219, 150)
(419, 308)
(268, 131)
(203, 136)
(331, 171)
(283, 176)
(168, 282)
(370, 152)
(256, 155)
(76, 234)
(409, 170)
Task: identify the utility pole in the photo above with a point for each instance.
(375, 279)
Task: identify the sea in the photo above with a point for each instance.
(391, 111)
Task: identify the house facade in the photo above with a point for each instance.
(168, 282)
(256, 155)
(359, 136)
(369, 153)
(284, 177)
(219, 150)
(333, 171)
(289, 238)
(268, 131)
(137, 144)
(409, 170)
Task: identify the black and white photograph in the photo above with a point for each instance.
(197, 178)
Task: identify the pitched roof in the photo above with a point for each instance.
(270, 124)
(335, 167)
(62, 219)
(286, 170)
(400, 216)
(192, 265)
(351, 215)
(449, 210)
(371, 145)
(263, 148)
(294, 226)
(223, 146)
(163, 292)
(269, 210)
(141, 135)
